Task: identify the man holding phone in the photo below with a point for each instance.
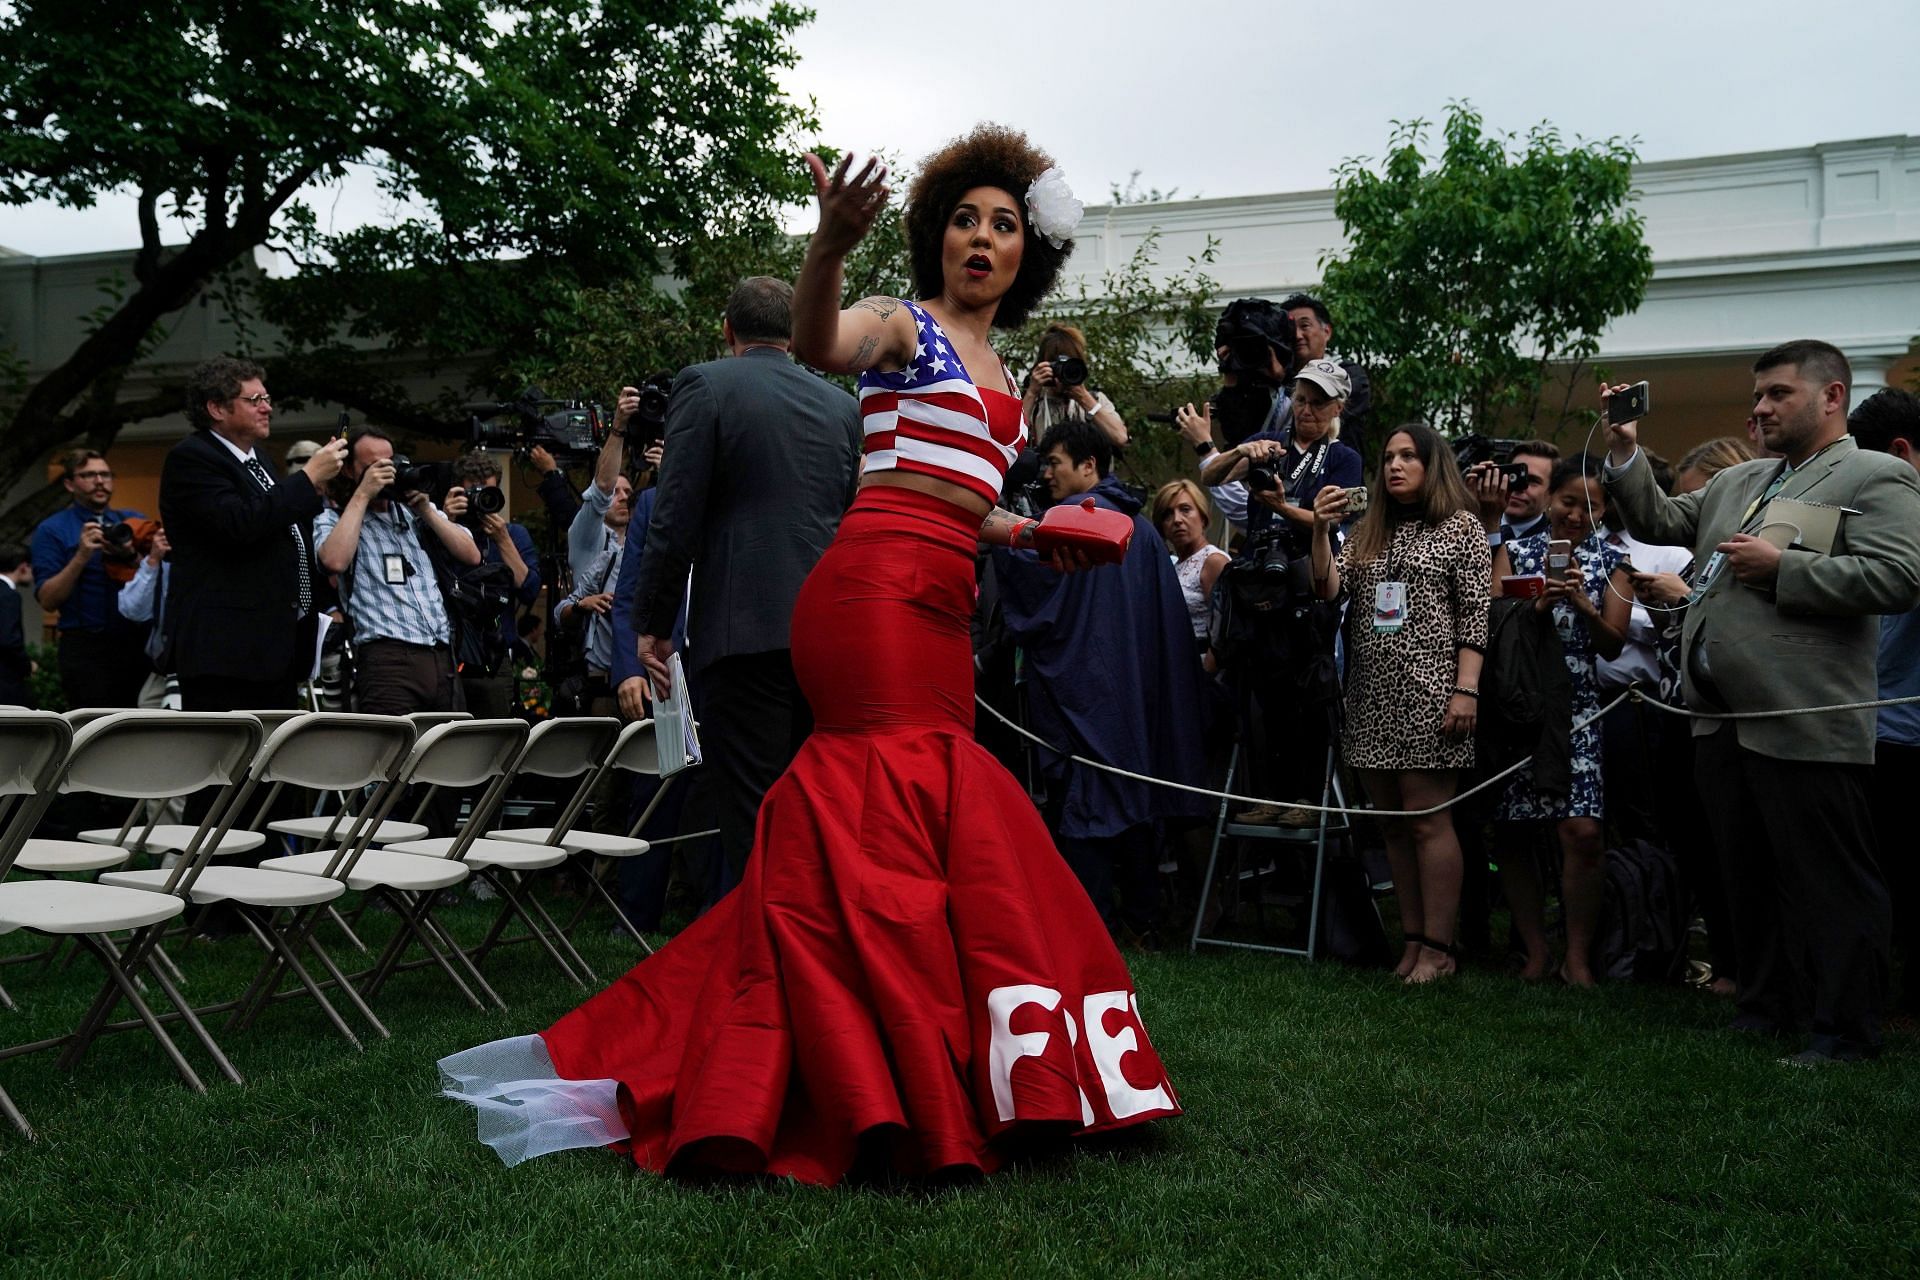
(240, 609)
(1513, 504)
(1778, 624)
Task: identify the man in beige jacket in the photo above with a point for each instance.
(1785, 618)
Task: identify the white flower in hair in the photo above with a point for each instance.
(1052, 208)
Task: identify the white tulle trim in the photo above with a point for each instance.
(525, 1109)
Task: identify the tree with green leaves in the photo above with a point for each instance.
(529, 150)
(1477, 279)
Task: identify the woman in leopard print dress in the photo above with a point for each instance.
(1416, 576)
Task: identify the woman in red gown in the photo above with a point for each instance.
(908, 970)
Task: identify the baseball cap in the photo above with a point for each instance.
(1326, 375)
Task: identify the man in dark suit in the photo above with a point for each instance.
(16, 575)
(240, 606)
(1781, 618)
(762, 458)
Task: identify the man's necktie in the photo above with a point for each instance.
(259, 473)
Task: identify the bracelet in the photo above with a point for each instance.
(1203, 448)
(1465, 692)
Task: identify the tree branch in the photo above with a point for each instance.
(148, 258)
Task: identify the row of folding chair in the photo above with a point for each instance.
(146, 755)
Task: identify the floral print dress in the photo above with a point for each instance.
(1597, 561)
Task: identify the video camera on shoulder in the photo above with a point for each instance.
(571, 430)
(1251, 335)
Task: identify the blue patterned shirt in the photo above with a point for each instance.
(413, 610)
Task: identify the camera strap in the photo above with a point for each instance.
(1312, 461)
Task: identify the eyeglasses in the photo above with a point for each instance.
(259, 398)
(93, 475)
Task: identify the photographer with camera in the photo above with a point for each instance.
(591, 531)
(1057, 388)
(80, 557)
(1254, 344)
(507, 542)
(1285, 469)
(389, 588)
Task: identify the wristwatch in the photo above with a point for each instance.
(1203, 448)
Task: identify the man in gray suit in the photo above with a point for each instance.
(762, 458)
(1770, 629)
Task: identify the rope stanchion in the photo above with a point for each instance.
(1474, 790)
(1634, 693)
(1688, 713)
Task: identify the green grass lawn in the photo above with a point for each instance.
(1337, 1124)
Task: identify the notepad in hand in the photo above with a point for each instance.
(676, 741)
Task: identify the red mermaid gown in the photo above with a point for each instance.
(907, 954)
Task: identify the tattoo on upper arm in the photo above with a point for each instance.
(864, 353)
(882, 307)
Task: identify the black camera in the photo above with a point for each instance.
(411, 477)
(1472, 450)
(119, 534)
(1069, 371)
(1254, 331)
(656, 393)
(1262, 477)
(484, 500)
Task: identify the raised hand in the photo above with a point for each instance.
(848, 205)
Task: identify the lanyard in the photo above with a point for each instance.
(1314, 460)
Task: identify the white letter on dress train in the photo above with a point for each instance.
(1008, 1048)
(1108, 1048)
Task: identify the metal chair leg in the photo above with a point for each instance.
(515, 904)
(132, 996)
(431, 928)
(619, 913)
(6, 1001)
(346, 987)
(104, 1003)
(192, 1020)
(340, 922)
(263, 930)
(562, 938)
(12, 1113)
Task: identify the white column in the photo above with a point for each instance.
(1870, 370)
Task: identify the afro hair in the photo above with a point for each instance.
(991, 156)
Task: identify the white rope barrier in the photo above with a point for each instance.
(1635, 694)
(1690, 714)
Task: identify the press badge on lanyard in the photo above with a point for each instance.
(1389, 608)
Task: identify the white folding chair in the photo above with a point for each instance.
(463, 753)
(33, 747)
(633, 752)
(331, 829)
(137, 755)
(566, 748)
(318, 750)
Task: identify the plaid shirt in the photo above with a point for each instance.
(412, 611)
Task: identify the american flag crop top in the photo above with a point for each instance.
(931, 419)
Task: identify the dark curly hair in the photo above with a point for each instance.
(991, 156)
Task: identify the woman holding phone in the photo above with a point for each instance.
(1589, 594)
(1414, 571)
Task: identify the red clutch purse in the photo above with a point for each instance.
(1101, 534)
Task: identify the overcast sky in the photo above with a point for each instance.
(1220, 97)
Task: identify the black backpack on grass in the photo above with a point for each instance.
(1643, 921)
